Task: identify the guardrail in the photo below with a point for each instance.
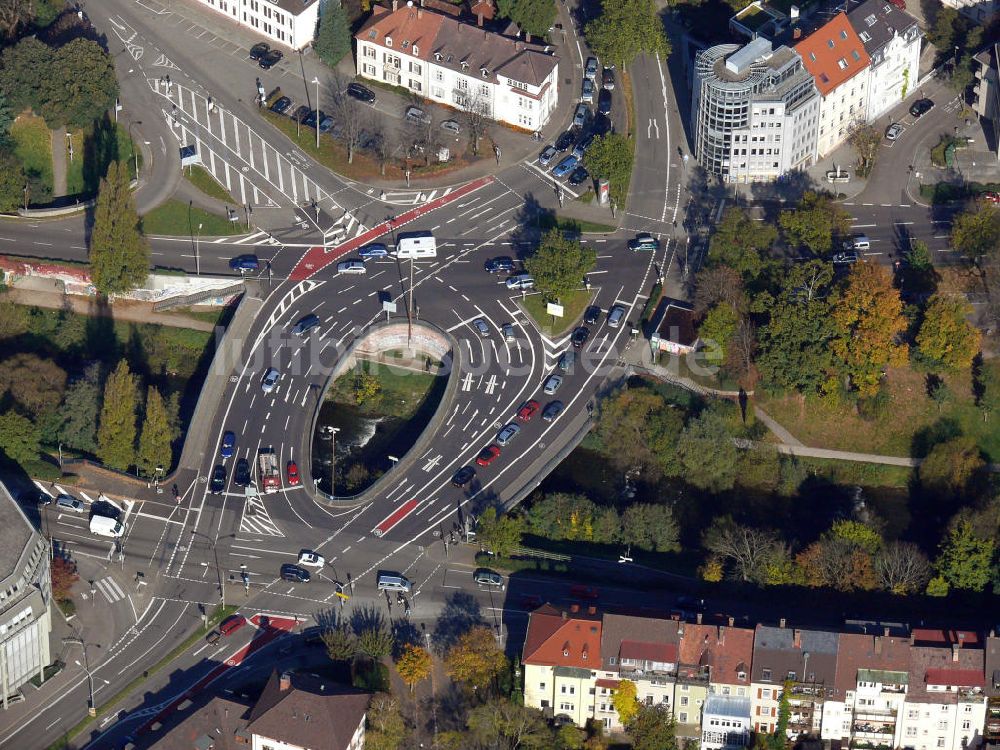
(529, 552)
(185, 300)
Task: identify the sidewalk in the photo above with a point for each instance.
(59, 162)
(973, 163)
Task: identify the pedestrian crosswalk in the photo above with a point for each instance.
(256, 519)
(110, 588)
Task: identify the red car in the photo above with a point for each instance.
(527, 410)
(488, 455)
(293, 473)
(231, 624)
(991, 197)
(583, 592)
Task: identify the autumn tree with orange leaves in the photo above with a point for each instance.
(413, 665)
(868, 320)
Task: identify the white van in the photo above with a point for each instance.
(393, 582)
(416, 245)
(104, 526)
(858, 242)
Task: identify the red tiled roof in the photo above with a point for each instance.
(726, 650)
(858, 651)
(932, 636)
(406, 26)
(662, 652)
(561, 639)
(955, 677)
(606, 683)
(833, 53)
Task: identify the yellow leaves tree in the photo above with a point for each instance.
(946, 336)
(868, 320)
(624, 700)
(413, 665)
(475, 658)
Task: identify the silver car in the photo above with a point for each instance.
(587, 91)
(351, 266)
(451, 126)
(270, 380)
(487, 577)
(482, 327)
(507, 434)
(590, 70)
(552, 384)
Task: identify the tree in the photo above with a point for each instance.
(719, 284)
(611, 156)
(650, 527)
(937, 586)
(965, 558)
(867, 319)
(565, 516)
(23, 69)
(119, 255)
(559, 265)
(501, 724)
(717, 331)
(340, 643)
(499, 533)
(476, 118)
(951, 468)
(652, 728)
(643, 420)
(976, 231)
(707, 453)
(366, 387)
(19, 437)
(333, 37)
(386, 728)
(836, 563)
(374, 640)
(15, 14)
(570, 737)
(348, 112)
(857, 534)
(64, 575)
(154, 441)
(81, 405)
(12, 180)
(533, 16)
(946, 336)
(413, 665)
(814, 223)
(900, 567)
(475, 658)
(626, 29)
(381, 142)
(917, 273)
(866, 140)
(79, 85)
(739, 242)
(116, 430)
(624, 701)
(778, 740)
(748, 550)
(36, 384)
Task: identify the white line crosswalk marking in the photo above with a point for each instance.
(110, 588)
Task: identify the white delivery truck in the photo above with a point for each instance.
(104, 526)
(416, 245)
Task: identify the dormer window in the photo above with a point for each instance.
(465, 65)
(485, 72)
(565, 652)
(741, 675)
(416, 50)
(371, 34)
(388, 41)
(437, 56)
(406, 43)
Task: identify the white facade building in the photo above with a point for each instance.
(892, 40)
(291, 23)
(725, 723)
(459, 65)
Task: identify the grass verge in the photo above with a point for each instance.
(947, 192)
(33, 146)
(176, 218)
(573, 303)
(401, 390)
(214, 619)
(547, 221)
(202, 179)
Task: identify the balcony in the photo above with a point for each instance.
(653, 678)
(867, 712)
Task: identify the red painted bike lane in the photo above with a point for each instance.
(315, 259)
(395, 517)
(269, 629)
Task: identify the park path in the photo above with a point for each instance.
(776, 428)
(59, 163)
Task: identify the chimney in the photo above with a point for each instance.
(285, 681)
(479, 18)
(781, 622)
(591, 610)
(732, 621)
(797, 638)
(420, 10)
(885, 631)
(574, 608)
(796, 33)
(527, 37)
(564, 614)
(395, 5)
(698, 618)
(722, 635)
(517, 45)
(955, 648)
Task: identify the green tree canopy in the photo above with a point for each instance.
(652, 728)
(946, 335)
(611, 156)
(951, 468)
(12, 181)
(651, 527)
(35, 383)
(499, 533)
(740, 243)
(626, 29)
(976, 231)
(154, 441)
(19, 437)
(333, 37)
(116, 431)
(815, 223)
(119, 254)
(534, 16)
(559, 265)
(79, 86)
(561, 515)
(717, 331)
(707, 452)
(81, 405)
(965, 558)
(643, 420)
(501, 723)
(386, 728)
(23, 70)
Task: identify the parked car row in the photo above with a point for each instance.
(262, 54)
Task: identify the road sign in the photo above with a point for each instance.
(342, 595)
(554, 310)
(388, 306)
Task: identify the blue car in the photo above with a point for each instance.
(564, 167)
(374, 250)
(245, 263)
(228, 443)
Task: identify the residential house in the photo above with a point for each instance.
(722, 652)
(805, 661)
(991, 730)
(726, 723)
(295, 711)
(836, 58)
(451, 62)
(561, 658)
(869, 689)
(945, 706)
(986, 94)
(291, 23)
(892, 40)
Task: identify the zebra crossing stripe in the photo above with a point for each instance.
(110, 588)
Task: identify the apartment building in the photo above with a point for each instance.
(291, 23)
(986, 94)
(836, 58)
(726, 723)
(445, 60)
(803, 660)
(991, 730)
(755, 111)
(891, 38)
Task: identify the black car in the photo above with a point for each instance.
(552, 410)
(921, 107)
(361, 93)
(604, 102)
(271, 59)
(282, 105)
(303, 326)
(502, 264)
(311, 118)
(580, 336)
(300, 112)
(463, 476)
(242, 474)
(291, 572)
(218, 483)
(565, 141)
(602, 125)
(259, 50)
(579, 175)
(592, 315)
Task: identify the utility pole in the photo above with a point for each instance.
(409, 311)
(92, 708)
(197, 254)
(316, 81)
(332, 433)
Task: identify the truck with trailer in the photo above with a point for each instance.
(268, 474)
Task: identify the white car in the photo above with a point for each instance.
(352, 266)
(311, 559)
(270, 380)
(552, 384)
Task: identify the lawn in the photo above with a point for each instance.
(81, 179)
(573, 306)
(202, 179)
(902, 427)
(33, 146)
(402, 390)
(545, 221)
(176, 218)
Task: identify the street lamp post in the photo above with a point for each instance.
(135, 151)
(331, 432)
(92, 707)
(316, 81)
(197, 254)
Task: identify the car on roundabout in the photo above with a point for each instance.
(310, 559)
(552, 384)
(351, 267)
(552, 410)
(270, 380)
(487, 577)
(580, 336)
(291, 572)
(374, 250)
(218, 481)
(528, 410)
(463, 476)
(488, 455)
(305, 324)
(244, 263)
(507, 434)
(480, 325)
(228, 444)
(500, 264)
(241, 476)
